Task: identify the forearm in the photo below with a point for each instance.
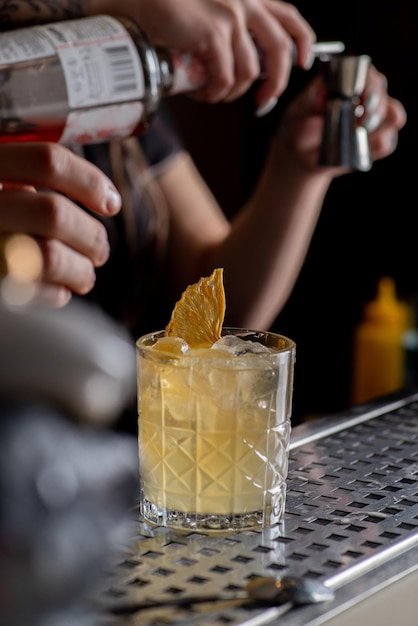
(262, 250)
(26, 13)
(268, 243)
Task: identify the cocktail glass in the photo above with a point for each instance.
(213, 430)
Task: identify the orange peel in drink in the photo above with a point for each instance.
(198, 316)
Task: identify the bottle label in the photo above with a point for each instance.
(93, 126)
(99, 60)
(24, 45)
(101, 67)
(189, 72)
(98, 57)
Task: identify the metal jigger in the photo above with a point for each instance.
(345, 141)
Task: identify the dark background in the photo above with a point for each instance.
(367, 227)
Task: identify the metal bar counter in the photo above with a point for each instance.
(351, 522)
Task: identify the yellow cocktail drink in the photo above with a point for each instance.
(214, 429)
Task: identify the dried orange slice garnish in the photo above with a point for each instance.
(199, 314)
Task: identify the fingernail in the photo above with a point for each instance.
(64, 297)
(113, 201)
(372, 122)
(309, 61)
(102, 255)
(391, 142)
(359, 110)
(372, 101)
(266, 107)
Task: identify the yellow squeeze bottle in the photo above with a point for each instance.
(378, 363)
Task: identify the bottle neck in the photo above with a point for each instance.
(179, 72)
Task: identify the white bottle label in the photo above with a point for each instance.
(100, 65)
(23, 45)
(98, 57)
(94, 126)
(99, 60)
(189, 72)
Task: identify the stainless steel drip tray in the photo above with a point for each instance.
(351, 521)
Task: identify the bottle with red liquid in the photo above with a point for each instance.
(86, 81)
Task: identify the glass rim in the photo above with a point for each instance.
(289, 345)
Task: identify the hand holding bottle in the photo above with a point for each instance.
(42, 203)
(225, 35)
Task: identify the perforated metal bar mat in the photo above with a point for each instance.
(351, 521)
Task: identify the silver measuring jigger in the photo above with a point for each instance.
(345, 141)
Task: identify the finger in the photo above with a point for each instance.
(217, 55)
(14, 186)
(384, 140)
(50, 215)
(374, 113)
(374, 100)
(376, 82)
(383, 111)
(276, 38)
(53, 166)
(247, 64)
(64, 267)
(395, 114)
(297, 28)
(277, 58)
(383, 143)
(220, 71)
(51, 296)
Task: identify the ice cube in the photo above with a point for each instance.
(173, 345)
(238, 346)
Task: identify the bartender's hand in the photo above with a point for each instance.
(73, 243)
(300, 128)
(224, 35)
